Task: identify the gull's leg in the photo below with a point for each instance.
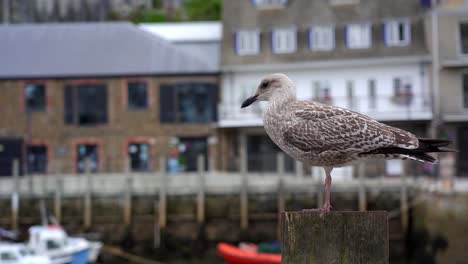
(327, 205)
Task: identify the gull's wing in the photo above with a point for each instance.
(315, 127)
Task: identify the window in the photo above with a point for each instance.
(372, 94)
(465, 90)
(358, 36)
(464, 38)
(322, 92)
(397, 32)
(402, 91)
(138, 154)
(283, 40)
(262, 154)
(87, 152)
(137, 95)
(34, 97)
(350, 94)
(247, 42)
(184, 154)
(86, 104)
(37, 159)
(188, 103)
(269, 3)
(8, 256)
(322, 38)
(52, 244)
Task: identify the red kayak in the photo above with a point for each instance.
(234, 255)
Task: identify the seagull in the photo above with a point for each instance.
(329, 136)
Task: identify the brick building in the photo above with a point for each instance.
(110, 93)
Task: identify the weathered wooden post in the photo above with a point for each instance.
(15, 196)
(127, 211)
(162, 194)
(201, 190)
(87, 195)
(280, 171)
(335, 237)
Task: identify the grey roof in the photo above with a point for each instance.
(90, 49)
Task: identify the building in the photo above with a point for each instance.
(109, 93)
(448, 29)
(367, 55)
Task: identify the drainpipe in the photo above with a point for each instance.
(436, 116)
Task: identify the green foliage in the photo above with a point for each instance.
(198, 10)
(143, 15)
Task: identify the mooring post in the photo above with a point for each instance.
(244, 206)
(127, 211)
(58, 193)
(15, 196)
(280, 171)
(335, 237)
(87, 195)
(362, 188)
(162, 194)
(201, 189)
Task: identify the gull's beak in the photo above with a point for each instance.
(249, 101)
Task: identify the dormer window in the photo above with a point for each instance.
(284, 40)
(322, 38)
(267, 4)
(247, 42)
(397, 32)
(358, 36)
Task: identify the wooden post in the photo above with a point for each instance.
(157, 227)
(127, 211)
(244, 206)
(336, 237)
(58, 193)
(404, 199)
(362, 187)
(87, 195)
(15, 196)
(280, 171)
(162, 194)
(201, 189)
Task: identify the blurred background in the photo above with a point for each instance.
(121, 122)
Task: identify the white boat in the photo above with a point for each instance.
(18, 253)
(54, 242)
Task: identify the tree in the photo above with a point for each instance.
(198, 10)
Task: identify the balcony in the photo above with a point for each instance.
(382, 108)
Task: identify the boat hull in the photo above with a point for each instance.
(234, 255)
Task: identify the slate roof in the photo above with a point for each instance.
(90, 49)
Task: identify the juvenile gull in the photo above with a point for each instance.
(330, 136)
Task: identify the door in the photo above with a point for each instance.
(10, 149)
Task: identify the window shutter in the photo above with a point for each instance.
(167, 106)
(102, 103)
(384, 36)
(310, 38)
(346, 37)
(69, 105)
(236, 48)
(272, 41)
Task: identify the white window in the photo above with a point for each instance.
(397, 32)
(247, 42)
(322, 38)
(283, 40)
(321, 92)
(270, 3)
(372, 93)
(402, 91)
(358, 36)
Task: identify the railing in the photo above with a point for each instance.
(406, 107)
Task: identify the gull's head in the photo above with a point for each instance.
(271, 85)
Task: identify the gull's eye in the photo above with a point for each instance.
(264, 84)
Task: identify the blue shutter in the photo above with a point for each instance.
(384, 37)
(236, 35)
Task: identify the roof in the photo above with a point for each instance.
(186, 31)
(90, 49)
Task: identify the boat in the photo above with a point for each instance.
(53, 241)
(246, 255)
(18, 253)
